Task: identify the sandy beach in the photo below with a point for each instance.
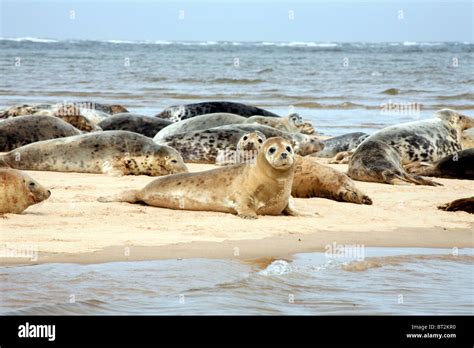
(72, 226)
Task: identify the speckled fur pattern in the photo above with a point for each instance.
(203, 146)
(18, 131)
(342, 143)
(381, 156)
(247, 189)
(18, 191)
(459, 165)
(109, 152)
(182, 112)
(145, 125)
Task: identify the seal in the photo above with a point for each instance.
(18, 191)
(346, 142)
(381, 156)
(203, 146)
(108, 152)
(313, 179)
(145, 125)
(246, 189)
(459, 165)
(375, 161)
(463, 204)
(22, 130)
(24, 109)
(247, 149)
(291, 123)
(31, 109)
(177, 113)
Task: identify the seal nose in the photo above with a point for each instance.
(284, 155)
(49, 193)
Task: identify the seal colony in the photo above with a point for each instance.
(247, 189)
(109, 152)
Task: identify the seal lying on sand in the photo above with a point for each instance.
(111, 152)
(375, 161)
(22, 130)
(346, 142)
(203, 146)
(459, 165)
(463, 204)
(311, 179)
(18, 191)
(316, 180)
(380, 157)
(65, 108)
(291, 123)
(247, 189)
(147, 126)
(181, 112)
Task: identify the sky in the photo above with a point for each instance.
(244, 20)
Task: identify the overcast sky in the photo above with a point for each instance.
(244, 20)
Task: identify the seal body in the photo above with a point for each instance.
(181, 112)
(18, 191)
(313, 179)
(247, 189)
(110, 152)
(380, 157)
(145, 125)
(203, 146)
(292, 123)
(459, 165)
(463, 204)
(346, 142)
(375, 161)
(22, 130)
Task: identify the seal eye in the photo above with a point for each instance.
(245, 138)
(174, 161)
(272, 150)
(32, 184)
(288, 149)
(260, 141)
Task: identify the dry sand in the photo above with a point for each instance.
(72, 226)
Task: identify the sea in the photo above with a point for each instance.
(340, 87)
(358, 281)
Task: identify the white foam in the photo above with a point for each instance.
(278, 267)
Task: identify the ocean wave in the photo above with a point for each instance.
(377, 262)
(468, 96)
(263, 71)
(298, 44)
(237, 81)
(29, 39)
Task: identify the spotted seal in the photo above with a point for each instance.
(291, 123)
(22, 130)
(181, 112)
(110, 152)
(381, 156)
(341, 143)
(247, 149)
(145, 125)
(246, 189)
(459, 165)
(18, 191)
(203, 146)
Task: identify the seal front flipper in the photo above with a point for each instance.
(246, 212)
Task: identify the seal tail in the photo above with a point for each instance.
(130, 196)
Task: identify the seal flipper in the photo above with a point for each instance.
(130, 196)
(4, 162)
